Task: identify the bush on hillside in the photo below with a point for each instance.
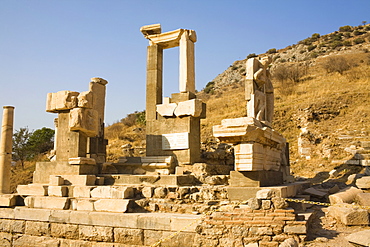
(134, 118)
(251, 55)
(336, 64)
(345, 29)
(358, 41)
(271, 51)
(209, 87)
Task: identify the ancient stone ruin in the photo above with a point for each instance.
(79, 199)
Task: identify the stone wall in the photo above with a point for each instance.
(46, 227)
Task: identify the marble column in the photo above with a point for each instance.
(6, 146)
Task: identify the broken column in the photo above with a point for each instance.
(172, 124)
(80, 122)
(6, 146)
(261, 153)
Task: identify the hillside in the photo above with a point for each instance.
(321, 83)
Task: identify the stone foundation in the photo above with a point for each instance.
(47, 227)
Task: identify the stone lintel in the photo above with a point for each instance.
(99, 80)
(167, 40)
(151, 29)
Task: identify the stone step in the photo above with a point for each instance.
(158, 180)
(81, 204)
(10, 200)
(32, 190)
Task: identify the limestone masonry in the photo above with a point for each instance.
(80, 199)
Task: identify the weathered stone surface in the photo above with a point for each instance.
(79, 179)
(254, 203)
(14, 226)
(154, 221)
(346, 195)
(189, 108)
(129, 236)
(85, 100)
(36, 228)
(349, 215)
(112, 205)
(56, 180)
(363, 183)
(81, 160)
(147, 192)
(160, 192)
(314, 192)
(363, 199)
(85, 205)
(26, 240)
(32, 190)
(32, 214)
(82, 191)
(117, 192)
(47, 202)
(265, 194)
(279, 203)
(113, 219)
(361, 238)
(166, 109)
(58, 191)
(295, 229)
(290, 242)
(6, 239)
(62, 100)
(64, 230)
(8, 200)
(84, 120)
(96, 233)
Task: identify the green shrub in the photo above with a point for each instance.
(272, 51)
(315, 36)
(311, 47)
(345, 29)
(347, 43)
(209, 87)
(367, 28)
(357, 33)
(336, 44)
(347, 35)
(358, 41)
(251, 55)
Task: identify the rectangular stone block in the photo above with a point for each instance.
(37, 214)
(184, 223)
(6, 213)
(56, 180)
(154, 221)
(79, 179)
(35, 228)
(62, 100)
(96, 233)
(32, 190)
(82, 191)
(64, 231)
(60, 191)
(47, 202)
(8, 200)
(12, 226)
(349, 215)
(112, 205)
(114, 219)
(80, 217)
(84, 205)
(84, 120)
(81, 161)
(129, 236)
(255, 178)
(60, 216)
(117, 192)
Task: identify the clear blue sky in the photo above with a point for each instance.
(49, 46)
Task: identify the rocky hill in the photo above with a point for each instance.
(321, 98)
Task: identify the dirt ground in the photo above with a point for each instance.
(325, 231)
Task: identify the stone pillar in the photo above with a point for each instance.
(6, 146)
(154, 85)
(187, 64)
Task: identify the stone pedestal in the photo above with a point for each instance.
(260, 152)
